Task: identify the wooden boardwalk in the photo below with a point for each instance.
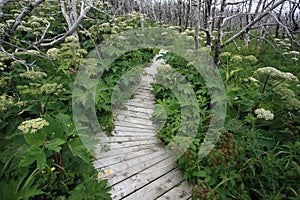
(133, 160)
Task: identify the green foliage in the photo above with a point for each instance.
(255, 158)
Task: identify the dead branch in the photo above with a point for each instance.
(25, 12)
(254, 21)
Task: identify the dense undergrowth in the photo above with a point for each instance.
(42, 156)
(258, 153)
(41, 153)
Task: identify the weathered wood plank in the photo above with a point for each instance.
(103, 162)
(116, 178)
(158, 187)
(131, 114)
(126, 144)
(134, 120)
(134, 125)
(141, 110)
(138, 181)
(129, 138)
(109, 153)
(123, 166)
(182, 192)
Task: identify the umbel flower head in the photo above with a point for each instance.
(264, 114)
(276, 74)
(33, 125)
(33, 75)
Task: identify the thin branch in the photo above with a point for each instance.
(236, 3)
(286, 28)
(25, 12)
(71, 29)
(254, 21)
(262, 38)
(14, 58)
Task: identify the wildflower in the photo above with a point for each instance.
(33, 75)
(253, 79)
(34, 52)
(5, 102)
(251, 58)
(52, 169)
(51, 88)
(294, 52)
(2, 82)
(164, 68)
(53, 52)
(264, 114)
(108, 172)
(295, 59)
(236, 59)
(276, 74)
(225, 54)
(190, 64)
(33, 125)
(71, 39)
(122, 38)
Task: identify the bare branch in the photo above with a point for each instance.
(25, 12)
(71, 30)
(262, 38)
(14, 58)
(254, 21)
(236, 3)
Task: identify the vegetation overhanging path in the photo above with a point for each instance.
(134, 161)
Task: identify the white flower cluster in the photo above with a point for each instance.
(52, 88)
(264, 114)
(33, 125)
(33, 75)
(236, 58)
(251, 58)
(164, 68)
(53, 52)
(294, 53)
(225, 54)
(5, 102)
(275, 73)
(71, 39)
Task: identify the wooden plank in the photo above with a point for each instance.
(123, 166)
(182, 192)
(131, 114)
(123, 129)
(126, 144)
(141, 96)
(139, 180)
(141, 104)
(134, 120)
(105, 154)
(103, 162)
(158, 187)
(116, 178)
(124, 138)
(134, 125)
(140, 110)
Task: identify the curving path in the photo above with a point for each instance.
(133, 160)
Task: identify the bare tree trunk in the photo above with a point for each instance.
(187, 15)
(247, 36)
(70, 18)
(278, 25)
(220, 33)
(197, 26)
